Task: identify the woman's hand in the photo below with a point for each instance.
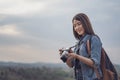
(73, 55)
(60, 51)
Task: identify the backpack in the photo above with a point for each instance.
(108, 69)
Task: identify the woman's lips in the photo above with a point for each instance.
(79, 32)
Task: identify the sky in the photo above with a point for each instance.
(34, 30)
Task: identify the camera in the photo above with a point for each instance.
(64, 53)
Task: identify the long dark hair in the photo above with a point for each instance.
(83, 18)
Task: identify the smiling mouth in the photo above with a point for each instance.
(79, 31)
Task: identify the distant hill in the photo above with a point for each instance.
(40, 64)
(34, 71)
(37, 64)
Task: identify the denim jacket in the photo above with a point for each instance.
(88, 72)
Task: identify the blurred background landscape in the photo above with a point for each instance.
(32, 32)
(37, 71)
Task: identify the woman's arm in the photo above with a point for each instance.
(85, 60)
(82, 59)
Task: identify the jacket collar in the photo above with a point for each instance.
(84, 38)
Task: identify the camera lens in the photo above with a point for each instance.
(64, 56)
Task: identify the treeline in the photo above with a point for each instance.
(38, 73)
(43, 73)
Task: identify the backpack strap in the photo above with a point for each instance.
(89, 53)
(88, 47)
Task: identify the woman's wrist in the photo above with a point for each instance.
(76, 56)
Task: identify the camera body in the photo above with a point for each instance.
(64, 54)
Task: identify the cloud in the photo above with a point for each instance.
(27, 7)
(9, 30)
(22, 7)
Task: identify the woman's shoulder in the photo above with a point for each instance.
(95, 38)
(92, 38)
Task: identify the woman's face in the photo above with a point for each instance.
(78, 27)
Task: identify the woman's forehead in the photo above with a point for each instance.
(75, 21)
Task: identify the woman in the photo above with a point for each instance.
(83, 63)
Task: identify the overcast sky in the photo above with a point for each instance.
(34, 30)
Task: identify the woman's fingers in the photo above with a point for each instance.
(61, 51)
(72, 54)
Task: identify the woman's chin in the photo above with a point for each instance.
(79, 33)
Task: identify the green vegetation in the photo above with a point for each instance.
(17, 71)
(43, 73)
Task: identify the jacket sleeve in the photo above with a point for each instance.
(96, 47)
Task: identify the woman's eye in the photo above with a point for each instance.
(79, 23)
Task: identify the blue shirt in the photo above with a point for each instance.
(87, 72)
